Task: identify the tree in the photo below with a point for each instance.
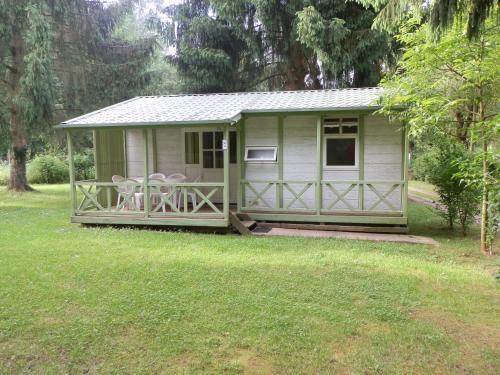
(59, 59)
(25, 68)
(216, 45)
(244, 45)
(443, 13)
(350, 52)
(451, 86)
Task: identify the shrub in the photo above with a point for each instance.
(440, 165)
(4, 173)
(47, 169)
(84, 165)
(423, 164)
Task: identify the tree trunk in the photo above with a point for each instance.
(484, 206)
(18, 144)
(17, 156)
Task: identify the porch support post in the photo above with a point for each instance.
(125, 162)
(361, 162)
(319, 165)
(404, 170)
(146, 199)
(226, 174)
(279, 186)
(241, 164)
(154, 146)
(72, 191)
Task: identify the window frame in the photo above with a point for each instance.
(267, 161)
(340, 135)
(200, 146)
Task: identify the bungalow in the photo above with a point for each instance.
(203, 160)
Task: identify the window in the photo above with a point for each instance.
(192, 147)
(213, 154)
(233, 151)
(260, 153)
(340, 152)
(340, 142)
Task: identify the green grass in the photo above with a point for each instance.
(75, 299)
(423, 189)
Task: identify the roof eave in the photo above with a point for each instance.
(140, 124)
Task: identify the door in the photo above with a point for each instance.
(204, 157)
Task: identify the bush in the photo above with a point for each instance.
(422, 165)
(440, 165)
(4, 173)
(84, 165)
(47, 169)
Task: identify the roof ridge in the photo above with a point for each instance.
(261, 92)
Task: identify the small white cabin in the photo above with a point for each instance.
(302, 156)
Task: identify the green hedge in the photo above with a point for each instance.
(47, 169)
(53, 168)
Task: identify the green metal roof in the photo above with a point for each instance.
(224, 108)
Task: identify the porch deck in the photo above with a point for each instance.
(97, 204)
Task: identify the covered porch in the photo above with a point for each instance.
(146, 195)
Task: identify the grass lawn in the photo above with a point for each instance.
(103, 300)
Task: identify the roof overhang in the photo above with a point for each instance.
(230, 121)
(64, 125)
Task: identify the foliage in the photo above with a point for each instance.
(266, 44)
(300, 305)
(449, 87)
(214, 42)
(47, 169)
(4, 173)
(471, 173)
(439, 164)
(84, 165)
(339, 33)
(442, 14)
(54, 71)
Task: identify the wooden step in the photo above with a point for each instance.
(244, 217)
(240, 226)
(250, 224)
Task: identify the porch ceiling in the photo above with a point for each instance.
(223, 108)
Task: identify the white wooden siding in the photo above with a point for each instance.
(169, 149)
(383, 157)
(299, 158)
(261, 131)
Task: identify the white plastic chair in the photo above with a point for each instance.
(125, 187)
(117, 179)
(191, 194)
(178, 177)
(157, 176)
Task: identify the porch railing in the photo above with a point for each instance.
(355, 196)
(166, 200)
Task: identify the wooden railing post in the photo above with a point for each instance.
(146, 197)
(72, 189)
